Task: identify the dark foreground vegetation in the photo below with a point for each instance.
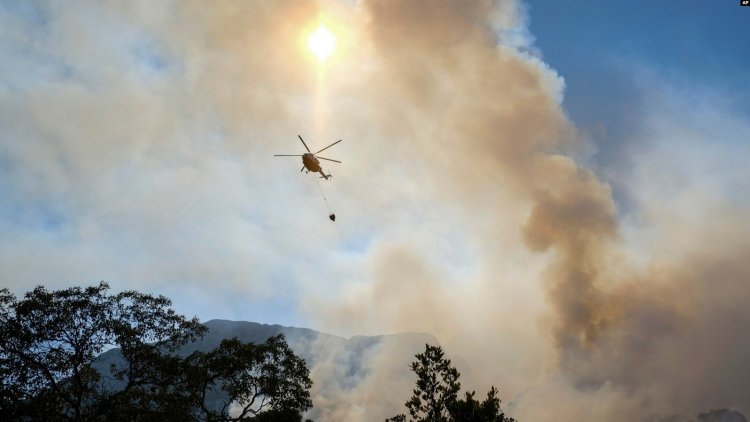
(436, 397)
(52, 367)
(49, 341)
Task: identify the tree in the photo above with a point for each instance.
(437, 386)
(49, 341)
(436, 397)
(266, 379)
(471, 410)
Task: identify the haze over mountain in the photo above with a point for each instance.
(348, 373)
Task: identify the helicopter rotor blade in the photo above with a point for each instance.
(324, 158)
(303, 143)
(287, 155)
(300, 170)
(329, 145)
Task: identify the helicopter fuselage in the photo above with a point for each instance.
(311, 163)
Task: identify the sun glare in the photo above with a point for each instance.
(321, 43)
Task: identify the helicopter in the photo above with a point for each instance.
(310, 159)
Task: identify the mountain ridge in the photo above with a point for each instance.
(339, 367)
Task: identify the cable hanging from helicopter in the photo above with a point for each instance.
(311, 163)
(331, 215)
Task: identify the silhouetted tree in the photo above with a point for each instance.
(437, 386)
(49, 341)
(436, 397)
(469, 409)
(258, 379)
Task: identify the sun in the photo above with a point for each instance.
(321, 43)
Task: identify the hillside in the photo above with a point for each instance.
(350, 375)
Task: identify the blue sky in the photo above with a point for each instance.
(689, 42)
(597, 46)
(546, 183)
(604, 50)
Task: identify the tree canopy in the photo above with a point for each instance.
(435, 398)
(50, 340)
